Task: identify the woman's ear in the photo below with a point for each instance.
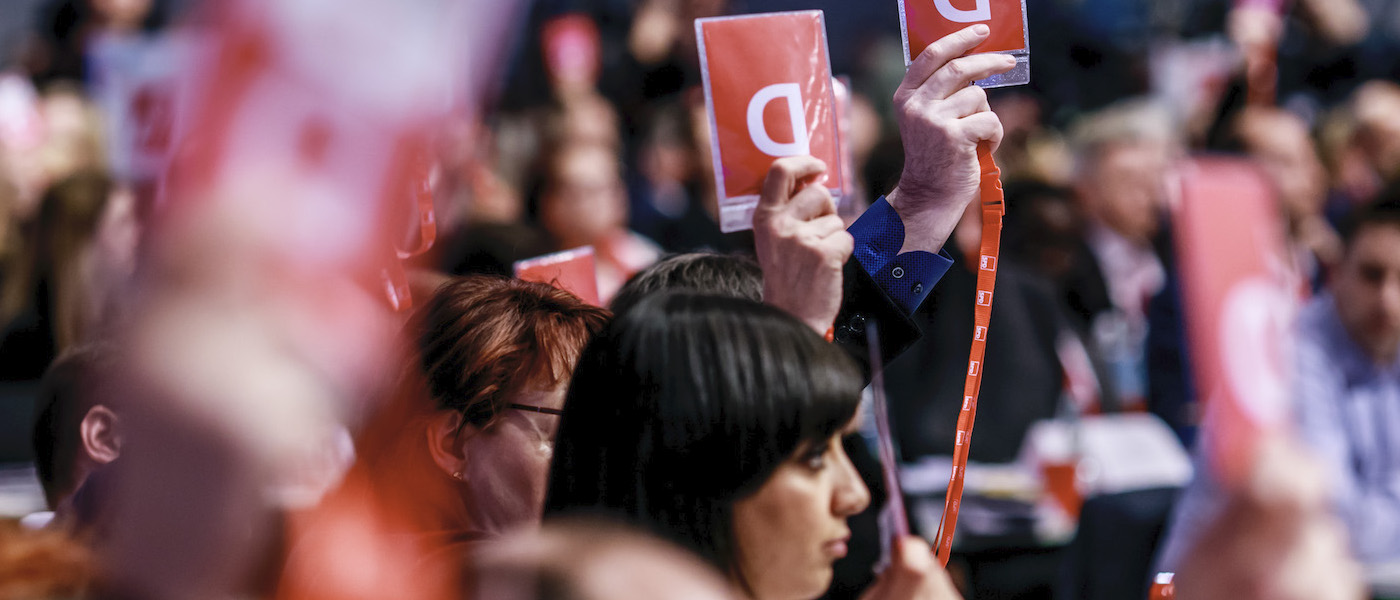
(445, 430)
(101, 439)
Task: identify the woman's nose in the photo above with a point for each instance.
(851, 496)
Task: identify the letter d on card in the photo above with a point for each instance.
(925, 21)
(769, 95)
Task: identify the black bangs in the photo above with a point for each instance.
(686, 404)
(785, 384)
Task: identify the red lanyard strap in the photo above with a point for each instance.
(1163, 587)
(993, 208)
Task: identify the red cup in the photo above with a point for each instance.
(1060, 484)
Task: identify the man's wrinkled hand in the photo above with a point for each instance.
(942, 119)
(802, 244)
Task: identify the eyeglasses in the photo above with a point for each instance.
(538, 409)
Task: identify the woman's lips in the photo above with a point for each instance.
(837, 547)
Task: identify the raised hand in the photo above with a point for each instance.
(802, 244)
(942, 119)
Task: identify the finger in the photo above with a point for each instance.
(811, 202)
(960, 73)
(826, 225)
(915, 553)
(933, 581)
(783, 177)
(939, 53)
(982, 127)
(910, 562)
(965, 102)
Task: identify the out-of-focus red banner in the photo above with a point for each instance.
(1239, 303)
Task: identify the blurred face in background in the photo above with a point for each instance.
(584, 201)
(1377, 109)
(668, 157)
(587, 120)
(1283, 147)
(788, 534)
(1367, 291)
(1125, 187)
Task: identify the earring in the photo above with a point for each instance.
(457, 475)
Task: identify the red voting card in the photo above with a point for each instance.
(769, 95)
(925, 21)
(571, 270)
(572, 50)
(1239, 296)
(142, 82)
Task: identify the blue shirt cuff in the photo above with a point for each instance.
(906, 278)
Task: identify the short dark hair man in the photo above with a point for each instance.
(77, 430)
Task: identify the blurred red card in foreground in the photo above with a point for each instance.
(571, 270)
(1239, 297)
(769, 95)
(925, 21)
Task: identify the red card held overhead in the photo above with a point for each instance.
(926, 21)
(571, 270)
(769, 95)
(1239, 296)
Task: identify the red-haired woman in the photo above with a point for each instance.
(481, 406)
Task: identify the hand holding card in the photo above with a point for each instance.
(800, 242)
(942, 121)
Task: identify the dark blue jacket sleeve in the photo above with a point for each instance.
(906, 278)
(883, 286)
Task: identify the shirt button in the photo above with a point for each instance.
(898, 273)
(918, 288)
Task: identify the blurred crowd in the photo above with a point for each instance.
(700, 401)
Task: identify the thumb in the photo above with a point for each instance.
(783, 177)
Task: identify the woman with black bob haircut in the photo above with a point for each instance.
(716, 423)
